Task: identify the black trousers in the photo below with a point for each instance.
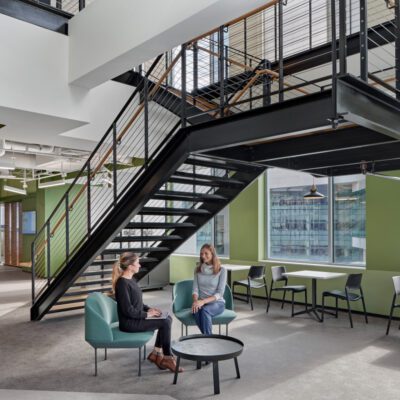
(163, 326)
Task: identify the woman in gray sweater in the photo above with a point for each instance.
(208, 289)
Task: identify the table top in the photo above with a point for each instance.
(315, 274)
(207, 348)
(233, 267)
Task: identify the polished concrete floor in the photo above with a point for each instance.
(284, 358)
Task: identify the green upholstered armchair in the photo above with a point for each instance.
(182, 306)
(102, 328)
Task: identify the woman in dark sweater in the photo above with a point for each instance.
(132, 313)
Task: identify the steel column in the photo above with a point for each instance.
(195, 68)
(334, 66)
(342, 37)
(363, 41)
(266, 84)
(33, 270)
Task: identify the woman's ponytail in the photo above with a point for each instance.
(116, 274)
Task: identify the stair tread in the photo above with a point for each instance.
(98, 272)
(202, 182)
(146, 238)
(94, 282)
(159, 225)
(102, 262)
(172, 211)
(204, 177)
(178, 195)
(87, 291)
(143, 249)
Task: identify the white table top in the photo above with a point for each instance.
(233, 267)
(315, 274)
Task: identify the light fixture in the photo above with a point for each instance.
(44, 185)
(313, 194)
(13, 189)
(7, 167)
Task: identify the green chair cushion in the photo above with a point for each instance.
(128, 339)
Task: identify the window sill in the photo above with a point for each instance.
(310, 264)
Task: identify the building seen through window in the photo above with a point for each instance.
(305, 230)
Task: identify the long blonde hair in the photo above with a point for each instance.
(214, 261)
(125, 260)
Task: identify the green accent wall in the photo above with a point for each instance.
(248, 237)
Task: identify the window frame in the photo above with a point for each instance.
(331, 235)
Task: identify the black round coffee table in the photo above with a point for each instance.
(212, 348)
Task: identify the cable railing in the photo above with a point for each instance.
(278, 52)
(68, 6)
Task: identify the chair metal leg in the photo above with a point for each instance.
(105, 353)
(266, 290)
(351, 319)
(269, 297)
(323, 308)
(251, 300)
(363, 303)
(226, 329)
(292, 303)
(219, 328)
(181, 329)
(337, 307)
(391, 315)
(95, 362)
(144, 352)
(283, 299)
(140, 362)
(247, 294)
(186, 330)
(305, 300)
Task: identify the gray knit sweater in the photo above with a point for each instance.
(207, 284)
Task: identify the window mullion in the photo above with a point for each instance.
(331, 202)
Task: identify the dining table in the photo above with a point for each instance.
(232, 268)
(314, 276)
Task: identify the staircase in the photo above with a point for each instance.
(195, 192)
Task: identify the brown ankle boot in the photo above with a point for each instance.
(169, 362)
(156, 358)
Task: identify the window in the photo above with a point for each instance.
(215, 232)
(329, 230)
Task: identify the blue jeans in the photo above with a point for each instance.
(204, 316)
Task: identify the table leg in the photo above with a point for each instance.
(178, 360)
(314, 300)
(198, 365)
(216, 377)
(237, 368)
(229, 278)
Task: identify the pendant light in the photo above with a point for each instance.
(313, 194)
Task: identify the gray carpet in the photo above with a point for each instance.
(284, 358)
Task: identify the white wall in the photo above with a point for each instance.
(37, 104)
(110, 37)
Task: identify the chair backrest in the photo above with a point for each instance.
(182, 296)
(100, 312)
(354, 281)
(396, 284)
(277, 273)
(256, 272)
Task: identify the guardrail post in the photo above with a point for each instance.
(363, 41)
(266, 83)
(146, 120)
(88, 200)
(33, 271)
(221, 70)
(81, 5)
(334, 67)
(66, 228)
(183, 86)
(114, 162)
(48, 258)
(280, 50)
(195, 71)
(342, 37)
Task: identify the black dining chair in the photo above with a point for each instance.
(396, 284)
(255, 280)
(353, 283)
(278, 276)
